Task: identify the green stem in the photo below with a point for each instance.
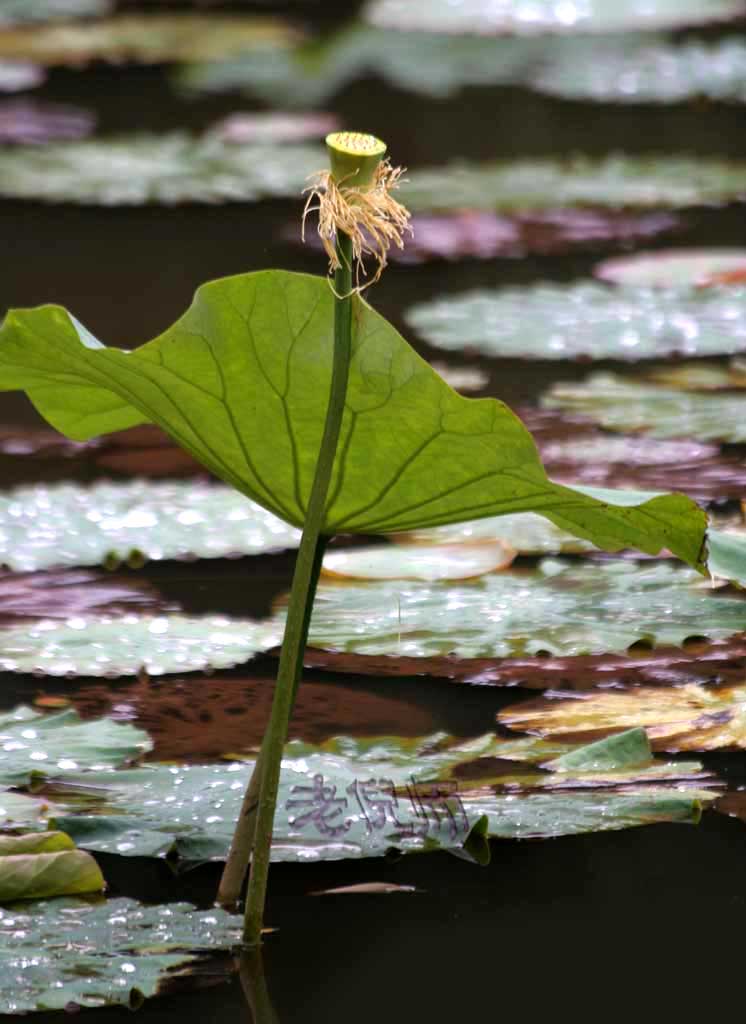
(303, 590)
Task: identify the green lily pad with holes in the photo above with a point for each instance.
(359, 798)
(587, 320)
(164, 169)
(13, 12)
(615, 181)
(560, 607)
(630, 69)
(145, 38)
(48, 525)
(525, 532)
(642, 404)
(241, 382)
(700, 269)
(71, 952)
(418, 561)
(126, 645)
(535, 16)
(38, 876)
(679, 718)
(61, 743)
(429, 64)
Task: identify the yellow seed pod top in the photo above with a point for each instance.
(354, 158)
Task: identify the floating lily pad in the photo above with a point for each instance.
(528, 17)
(62, 595)
(70, 952)
(275, 126)
(166, 169)
(70, 524)
(682, 718)
(16, 76)
(14, 11)
(35, 874)
(418, 561)
(34, 123)
(559, 608)
(123, 646)
(61, 743)
(643, 404)
(462, 378)
(615, 181)
(587, 320)
(354, 798)
(145, 38)
(20, 810)
(677, 268)
(525, 532)
(639, 70)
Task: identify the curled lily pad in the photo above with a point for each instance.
(71, 952)
(166, 169)
(418, 561)
(677, 268)
(40, 875)
(353, 798)
(145, 38)
(682, 718)
(534, 16)
(61, 743)
(559, 608)
(646, 70)
(14, 11)
(16, 76)
(587, 320)
(72, 524)
(647, 405)
(124, 646)
(525, 532)
(615, 181)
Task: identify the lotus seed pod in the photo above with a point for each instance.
(354, 158)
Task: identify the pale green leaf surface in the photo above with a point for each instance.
(614, 181)
(36, 876)
(536, 16)
(15, 11)
(164, 169)
(61, 743)
(66, 524)
(587, 320)
(525, 532)
(20, 810)
(561, 607)
(114, 952)
(241, 382)
(34, 842)
(123, 646)
(629, 404)
(678, 268)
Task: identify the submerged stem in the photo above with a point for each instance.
(305, 578)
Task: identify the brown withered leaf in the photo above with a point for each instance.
(690, 717)
(67, 594)
(700, 662)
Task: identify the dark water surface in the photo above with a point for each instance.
(646, 921)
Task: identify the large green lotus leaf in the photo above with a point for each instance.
(15, 11)
(167, 169)
(628, 403)
(678, 268)
(354, 798)
(688, 717)
(242, 380)
(587, 320)
(36, 876)
(114, 952)
(631, 69)
(144, 38)
(560, 607)
(63, 744)
(615, 181)
(534, 16)
(425, 63)
(126, 645)
(63, 524)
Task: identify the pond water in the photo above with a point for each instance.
(642, 920)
